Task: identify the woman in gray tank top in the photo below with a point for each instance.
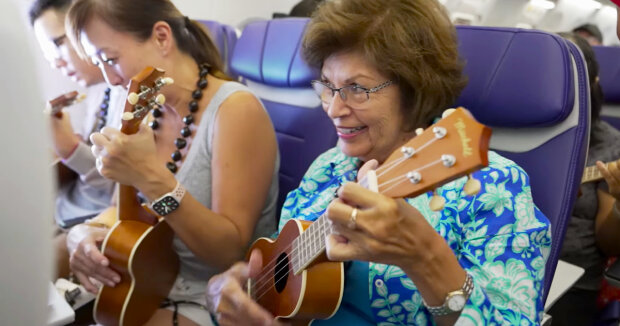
(207, 160)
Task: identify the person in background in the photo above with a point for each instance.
(89, 193)
(210, 149)
(591, 33)
(305, 8)
(27, 201)
(479, 261)
(588, 241)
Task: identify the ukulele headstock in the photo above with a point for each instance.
(453, 147)
(143, 96)
(55, 106)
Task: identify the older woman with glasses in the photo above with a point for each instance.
(478, 261)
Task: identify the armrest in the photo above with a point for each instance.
(612, 274)
(565, 276)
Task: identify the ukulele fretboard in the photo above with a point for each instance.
(590, 174)
(310, 244)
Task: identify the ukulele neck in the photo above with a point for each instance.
(310, 244)
(590, 174)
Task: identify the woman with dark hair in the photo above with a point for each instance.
(196, 149)
(593, 230)
(388, 68)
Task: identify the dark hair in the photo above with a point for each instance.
(410, 41)
(590, 29)
(38, 7)
(191, 37)
(305, 8)
(596, 91)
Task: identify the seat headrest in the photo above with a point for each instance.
(268, 52)
(609, 73)
(517, 78)
(217, 32)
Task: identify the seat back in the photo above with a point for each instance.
(225, 38)
(268, 59)
(532, 88)
(609, 76)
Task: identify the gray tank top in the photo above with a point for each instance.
(195, 176)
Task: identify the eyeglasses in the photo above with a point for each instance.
(355, 93)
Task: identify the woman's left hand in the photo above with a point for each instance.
(127, 159)
(372, 227)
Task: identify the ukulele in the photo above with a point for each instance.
(139, 245)
(297, 282)
(55, 106)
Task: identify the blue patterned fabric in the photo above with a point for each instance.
(499, 237)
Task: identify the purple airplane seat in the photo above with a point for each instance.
(532, 88)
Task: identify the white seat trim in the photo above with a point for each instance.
(300, 97)
(611, 110)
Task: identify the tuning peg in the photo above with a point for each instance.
(160, 99)
(168, 81)
(133, 98)
(472, 186)
(419, 131)
(80, 98)
(371, 177)
(437, 203)
(447, 112)
(127, 116)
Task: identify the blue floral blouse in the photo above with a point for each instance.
(499, 236)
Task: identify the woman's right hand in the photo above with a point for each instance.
(86, 260)
(230, 303)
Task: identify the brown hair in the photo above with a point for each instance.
(411, 41)
(137, 18)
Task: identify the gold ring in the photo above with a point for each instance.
(353, 221)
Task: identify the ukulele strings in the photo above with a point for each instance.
(395, 163)
(268, 273)
(265, 275)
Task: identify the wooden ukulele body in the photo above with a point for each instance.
(143, 255)
(315, 293)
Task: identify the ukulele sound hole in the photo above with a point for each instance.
(281, 275)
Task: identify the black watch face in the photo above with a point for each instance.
(165, 206)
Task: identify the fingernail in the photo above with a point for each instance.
(117, 279)
(111, 284)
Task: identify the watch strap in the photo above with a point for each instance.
(444, 309)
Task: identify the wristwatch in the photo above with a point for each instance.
(455, 300)
(169, 202)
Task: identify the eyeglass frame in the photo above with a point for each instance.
(342, 94)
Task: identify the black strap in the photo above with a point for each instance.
(175, 314)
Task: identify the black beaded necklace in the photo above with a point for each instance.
(103, 111)
(186, 132)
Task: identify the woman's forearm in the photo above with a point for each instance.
(438, 274)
